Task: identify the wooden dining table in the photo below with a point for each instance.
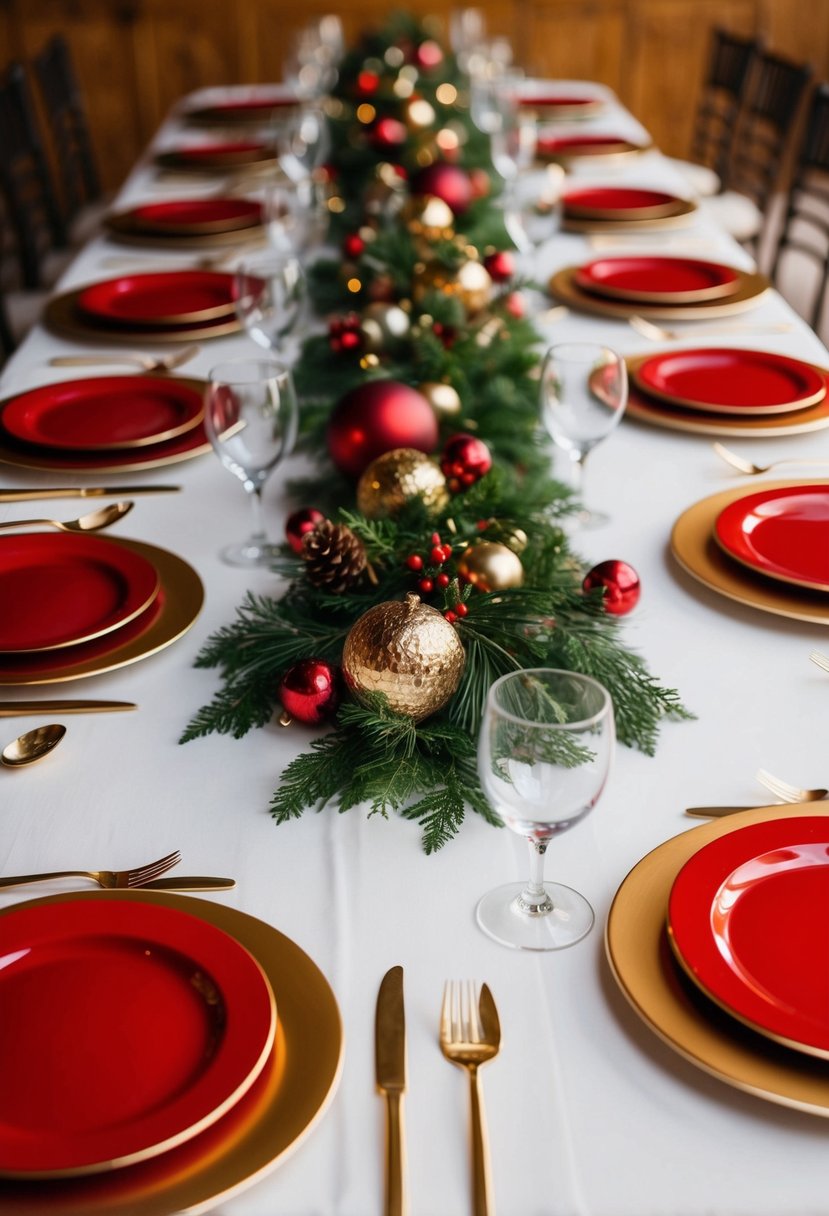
(591, 1111)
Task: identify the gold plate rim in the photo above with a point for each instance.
(309, 1057)
(716, 291)
(697, 552)
(619, 148)
(125, 231)
(688, 403)
(636, 949)
(563, 287)
(680, 216)
(61, 316)
(184, 597)
(175, 158)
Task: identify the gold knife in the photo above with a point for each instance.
(187, 883)
(83, 492)
(11, 709)
(390, 1070)
(718, 812)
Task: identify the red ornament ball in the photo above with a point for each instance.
(376, 417)
(464, 461)
(501, 265)
(300, 522)
(353, 245)
(621, 584)
(428, 55)
(389, 133)
(309, 691)
(515, 305)
(447, 182)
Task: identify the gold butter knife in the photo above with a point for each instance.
(718, 812)
(83, 492)
(11, 709)
(390, 1071)
(187, 883)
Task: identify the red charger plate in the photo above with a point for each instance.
(193, 215)
(613, 202)
(729, 381)
(781, 533)
(59, 590)
(128, 1028)
(657, 279)
(103, 412)
(746, 919)
(171, 297)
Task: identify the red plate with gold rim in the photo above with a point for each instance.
(722, 380)
(565, 146)
(169, 297)
(746, 921)
(658, 280)
(781, 533)
(619, 203)
(128, 1028)
(193, 216)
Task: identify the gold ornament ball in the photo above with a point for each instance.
(427, 214)
(491, 566)
(407, 651)
(443, 398)
(383, 327)
(396, 478)
(474, 287)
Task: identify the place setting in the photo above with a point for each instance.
(763, 548)
(561, 101)
(587, 146)
(629, 208)
(254, 108)
(228, 1042)
(188, 223)
(218, 156)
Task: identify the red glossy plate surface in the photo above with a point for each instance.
(747, 920)
(103, 412)
(573, 145)
(172, 297)
(128, 1028)
(781, 533)
(229, 149)
(200, 214)
(728, 381)
(657, 279)
(626, 202)
(566, 100)
(59, 589)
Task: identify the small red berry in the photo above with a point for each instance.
(447, 552)
(442, 580)
(426, 585)
(437, 555)
(415, 562)
(450, 616)
(461, 609)
(435, 538)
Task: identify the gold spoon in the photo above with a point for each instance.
(32, 746)
(93, 521)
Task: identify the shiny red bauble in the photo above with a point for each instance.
(375, 418)
(353, 245)
(309, 691)
(501, 265)
(299, 523)
(621, 586)
(447, 182)
(389, 133)
(428, 55)
(464, 461)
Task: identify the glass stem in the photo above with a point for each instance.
(534, 900)
(258, 533)
(578, 459)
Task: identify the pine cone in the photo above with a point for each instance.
(334, 556)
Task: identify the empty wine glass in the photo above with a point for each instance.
(584, 391)
(294, 215)
(544, 756)
(302, 141)
(269, 293)
(250, 415)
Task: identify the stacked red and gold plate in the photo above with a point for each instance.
(189, 221)
(764, 548)
(165, 306)
(585, 145)
(719, 941)
(218, 156)
(255, 109)
(601, 208)
(163, 1052)
(560, 103)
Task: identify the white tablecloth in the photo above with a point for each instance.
(589, 1113)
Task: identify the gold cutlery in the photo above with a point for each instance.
(189, 882)
(716, 812)
(821, 660)
(657, 334)
(470, 1035)
(93, 521)
(786, 792)
(751, 470)
(15, 709)
(104, 878)
(33, 746)
(147, 363)
(390, 1072)
(83, 492)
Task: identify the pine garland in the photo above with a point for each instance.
(371, 756)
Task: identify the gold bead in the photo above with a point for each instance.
(491, 566)
(396, 478)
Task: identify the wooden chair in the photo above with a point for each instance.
(31, 204)
(68, 125)
(729, 67)
(7, 338)
(805, 228)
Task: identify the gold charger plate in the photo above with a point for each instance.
(127, 229)
(694, 547)
(679, 213)
(645, 408)
(64, 318)
(619, 148)
(183, 596)
(643, 966)
(751, 287)
(281, 1109)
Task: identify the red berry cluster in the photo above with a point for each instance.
(429, 567)
(345, 333)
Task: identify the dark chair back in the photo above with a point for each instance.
(7, 342)
(729, 66)
(68, 124)
(806, 222)
(28, 192)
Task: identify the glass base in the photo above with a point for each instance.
(586, 520)
(250, 554)
(501, 915)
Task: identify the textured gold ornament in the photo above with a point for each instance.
(396, 478)
(491, 566)
(407, 651)
(383, 327)
(443, 398)
(427, 215)
(470, 283)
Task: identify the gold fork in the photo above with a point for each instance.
(657, 334)
(470, 1035)
(789, 793)
(821, 660)
(751, 470)
(104, 878)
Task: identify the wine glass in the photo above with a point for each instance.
(269, 293)
(584, 391)
(544, 755)
(302, 141)
(294, 216)
(251, 415)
